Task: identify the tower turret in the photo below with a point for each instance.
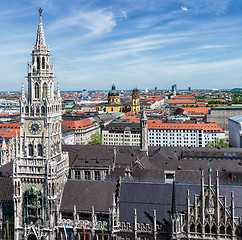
(144, 133)
(135, 101)
(40, 168)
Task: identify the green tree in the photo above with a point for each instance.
(96, 139)
(219, 142)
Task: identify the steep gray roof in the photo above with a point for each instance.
(85, 194)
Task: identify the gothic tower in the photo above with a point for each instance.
(144, 133)
(135, 101)
(40, 167)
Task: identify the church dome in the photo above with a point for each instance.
(113, 91)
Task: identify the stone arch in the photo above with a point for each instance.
(32, 237)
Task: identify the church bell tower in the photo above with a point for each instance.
(40, 169)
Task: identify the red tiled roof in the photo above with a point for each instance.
(182, 101)
(80, 124)
(15, 125)
(131, 118)
(207, 127)
(196, 110)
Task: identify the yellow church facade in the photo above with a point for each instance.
(114, 104)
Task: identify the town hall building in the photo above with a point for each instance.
(51, 191)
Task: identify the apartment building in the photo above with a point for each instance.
(80, 131)
(182, 134)
(122, 133)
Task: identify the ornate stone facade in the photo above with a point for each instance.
(40, 168)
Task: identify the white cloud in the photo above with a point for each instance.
(213, 46)
(184, 8)
(96, 22)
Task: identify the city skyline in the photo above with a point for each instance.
(129, 43)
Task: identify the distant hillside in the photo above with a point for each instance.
(236, 89)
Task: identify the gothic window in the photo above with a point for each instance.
(199, 229)
(31, 150)
(192, 228)
(40, 150)
(222, 230)
(32, 237)
(214, 229)
(27, 109)
(229, 230)
(43, 110)
(33, 205)
(38, 63)
(43, 62)
(36, 90)
(37, 110)
(45, 90)
(207, 229)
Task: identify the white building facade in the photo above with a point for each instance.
(182, 135)
(235, 131)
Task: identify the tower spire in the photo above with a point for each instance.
(4, 147)
(174, 204)
(40, 39)
(22, 91)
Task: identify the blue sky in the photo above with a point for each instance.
(143, 43)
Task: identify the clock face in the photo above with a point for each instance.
(35, 127)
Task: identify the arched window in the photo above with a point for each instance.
(36, 90)
(43, 62)
(31, 150)
(207, 229)
(37, 110)
(27, 109)
(222, 230)
(43, 110)
(45, 90)
(40, 150)
(229, 230)
(38, 63)
(214, 229)
(192, 228)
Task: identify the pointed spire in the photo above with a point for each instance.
(174, 204)
(22, 91)
(144, 117)
(4, 146)
(58, 90)
(40, 39)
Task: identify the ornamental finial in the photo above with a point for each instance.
(40, 11)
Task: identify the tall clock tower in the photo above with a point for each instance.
(40, 169)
